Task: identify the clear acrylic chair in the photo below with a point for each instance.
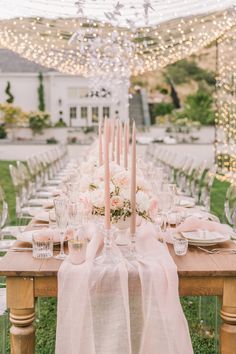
(230, 205)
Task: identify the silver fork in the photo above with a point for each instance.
(218, 250)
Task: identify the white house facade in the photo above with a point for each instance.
(66, 97)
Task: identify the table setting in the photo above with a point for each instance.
(112, 222)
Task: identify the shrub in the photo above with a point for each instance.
(10, 98)
(12, 115)
(39, 121)
(161, 109)
(3, 133)
(60, 123)
(183, 70)
(41, 105)
(198, 107)
(52, 141)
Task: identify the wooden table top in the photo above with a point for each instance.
(195, 264)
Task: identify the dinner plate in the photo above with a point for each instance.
(42, 216)
(208, 239)
(27, 236)
(186, 203)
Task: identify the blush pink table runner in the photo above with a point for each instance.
(130, 308)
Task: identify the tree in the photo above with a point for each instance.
(12, 116)
(198, 107)
(41, 105)
(38, 121)
(10, 98)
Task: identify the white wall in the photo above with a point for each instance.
(24, 89)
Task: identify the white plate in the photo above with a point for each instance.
(43, 216)
(211, 238)
(27, 236)
(186, 203)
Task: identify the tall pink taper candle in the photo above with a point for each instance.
(118, 142)
(106, 176)
(125, 148)
(121, 138)
(113, 142)
(127, 137)
(100, 142)
(133, 182)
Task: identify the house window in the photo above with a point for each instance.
(73, 112)
(73, 92)
(95, 114)
(84, 92)
(106, 112)
(84, 112)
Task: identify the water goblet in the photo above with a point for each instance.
(61, 211)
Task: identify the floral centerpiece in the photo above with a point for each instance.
(92, 192)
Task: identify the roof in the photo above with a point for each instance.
(11, 62)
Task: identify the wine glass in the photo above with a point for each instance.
(165, 203)
(3, 220)
(61, 212)
(75, 214)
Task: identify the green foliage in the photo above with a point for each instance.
(60, 123)
(198, 107)
(3, 133)
(52, 141)
(162, 108)
(10, 98)
(12, 115)
(41, 105)
(164, 91)
(183, 70)
(202, 333)
(38, 121)
(6, 184)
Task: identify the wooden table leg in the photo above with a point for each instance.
(20, 300)
(228, 315)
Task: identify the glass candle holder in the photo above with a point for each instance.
(77, 250)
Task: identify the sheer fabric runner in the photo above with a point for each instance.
(129, 308)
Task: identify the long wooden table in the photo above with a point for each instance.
(199, 274)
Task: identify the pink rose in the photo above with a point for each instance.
(116, 202)
(121, 179)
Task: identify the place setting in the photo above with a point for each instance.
(117, 177)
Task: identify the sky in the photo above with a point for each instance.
(133, 10)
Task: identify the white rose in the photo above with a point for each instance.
(143, 201)
(97, 198)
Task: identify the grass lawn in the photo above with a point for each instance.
(201, 313)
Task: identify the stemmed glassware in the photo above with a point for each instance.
(61, 212)
(165, 203)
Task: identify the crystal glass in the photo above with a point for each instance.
(72, 191)
(180, 245)
(61, 211)
(42, 245)
(75, 214)
(107, 256)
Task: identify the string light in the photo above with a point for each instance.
(80, 46)
(226, 102)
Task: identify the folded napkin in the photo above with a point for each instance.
(48, 204)
(54, 234)
(193, 223)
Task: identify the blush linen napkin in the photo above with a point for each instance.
(193, 223)
(127, 308)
